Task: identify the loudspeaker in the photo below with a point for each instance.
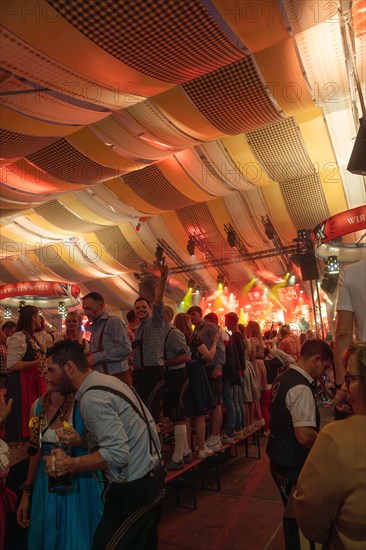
(357, 162)
(308, 266)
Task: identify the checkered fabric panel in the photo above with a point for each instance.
(172, 40)
(305, 213)
(280, 148)
(198, 220)
(153, 187)
(14, 144)
(116, 243)
(233, 98)
(64, 162)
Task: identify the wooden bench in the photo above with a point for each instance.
(189, 470)
(256, 436)
(217, 458)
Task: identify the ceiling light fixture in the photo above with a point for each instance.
(191, 246)
(231, 237)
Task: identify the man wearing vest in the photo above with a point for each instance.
(109, 344)
(294, 421)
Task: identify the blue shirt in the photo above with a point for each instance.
(207, 332)
(119, 432)
(115, 342)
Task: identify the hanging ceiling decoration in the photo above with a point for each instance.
(123, 124)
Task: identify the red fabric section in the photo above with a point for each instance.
(32, 387)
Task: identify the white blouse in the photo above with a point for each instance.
(17, 346)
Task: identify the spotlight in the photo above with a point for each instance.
(191, 247)
(332, 264)
(269, 230)
(21, 304)
(220, 280)
(231, 238)
(303, 235)
(159, 253)
(191, 284)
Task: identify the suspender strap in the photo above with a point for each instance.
(140, 412)
(141, 349)
(166, 339)
(100, 344)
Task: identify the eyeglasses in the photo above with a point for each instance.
(349, 377)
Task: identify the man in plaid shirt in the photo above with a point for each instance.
(148, 347)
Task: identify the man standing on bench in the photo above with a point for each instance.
(213, 368)
(148, 347)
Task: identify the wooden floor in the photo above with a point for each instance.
(245, 515)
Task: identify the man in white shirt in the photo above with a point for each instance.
(294, 415)
(294, 423)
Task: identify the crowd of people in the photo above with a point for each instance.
(91, 411)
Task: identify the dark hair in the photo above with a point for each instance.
(25, 320)
(193, 309)
(8, 325)
(131, 316)
(212, 318)
(68, 350)
(94, 296)
(232, 316)
(316, 346)
(141, 299)
(303, 338)
(267, 335)
(169, 312)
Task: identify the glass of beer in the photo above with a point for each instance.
(64, 483)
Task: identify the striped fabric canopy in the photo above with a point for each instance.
(125, 122)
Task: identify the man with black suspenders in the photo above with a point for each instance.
(128, 450)
(109, 344)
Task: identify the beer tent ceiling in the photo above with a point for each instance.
(124, 122)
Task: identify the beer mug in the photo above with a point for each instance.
(64, 483)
